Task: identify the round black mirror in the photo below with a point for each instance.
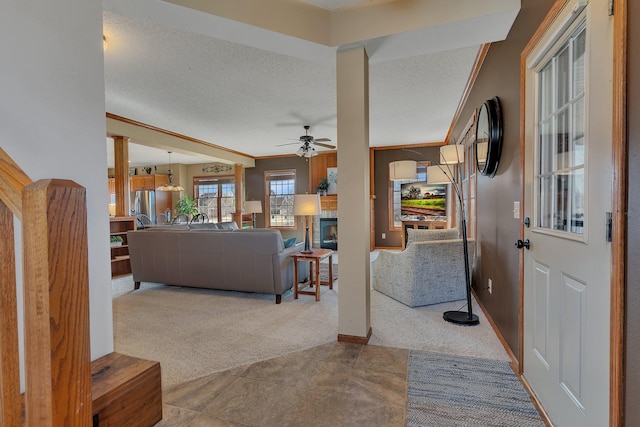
(489, 137)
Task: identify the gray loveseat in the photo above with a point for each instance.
(248, 260)
(429, 271)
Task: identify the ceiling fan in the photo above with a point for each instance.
(306, 149)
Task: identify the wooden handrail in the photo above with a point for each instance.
(55, 249)
(12, 183)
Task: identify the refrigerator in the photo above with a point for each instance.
(144, 202)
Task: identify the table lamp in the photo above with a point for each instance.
(253, 207)
(306, 205)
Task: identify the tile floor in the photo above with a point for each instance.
(336, 384)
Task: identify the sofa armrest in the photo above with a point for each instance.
(387, 264)
(283, 268)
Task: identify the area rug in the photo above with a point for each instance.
(324, 272)
(446, 390)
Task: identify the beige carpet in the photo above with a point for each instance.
(195, 332)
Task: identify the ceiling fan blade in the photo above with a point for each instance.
(322, 140)
(288, 143)
(324, 145)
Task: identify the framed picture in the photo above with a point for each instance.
(332, 176)
(422, 199)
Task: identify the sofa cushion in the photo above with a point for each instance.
(203, 226)
(422, 235)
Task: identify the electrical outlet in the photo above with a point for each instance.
(384, 235)
(490, 287)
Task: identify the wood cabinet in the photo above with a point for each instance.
(118, 226)
(318, 168)
(112, 185)
(329, 203)
(147, 182)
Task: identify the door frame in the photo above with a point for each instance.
(619, 205)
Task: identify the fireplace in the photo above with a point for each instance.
(329, 233)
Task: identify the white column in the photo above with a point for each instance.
(354, 319)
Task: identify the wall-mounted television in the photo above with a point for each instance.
(419, 199)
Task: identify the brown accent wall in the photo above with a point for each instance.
(382, 158)
(254, 184)
(632, 371)
(498, 259)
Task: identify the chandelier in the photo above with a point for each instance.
(306, 150)
(170, 186)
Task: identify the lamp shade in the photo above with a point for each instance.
(306, 151)
(253, 206)
(170, 187)
(306, 204)
(438, 175)
(451, 154)
(403, 170)
(482, 148)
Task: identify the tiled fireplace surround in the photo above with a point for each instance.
(316, 225)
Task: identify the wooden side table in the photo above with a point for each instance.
(315, 257)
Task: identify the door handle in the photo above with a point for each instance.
(522, 244)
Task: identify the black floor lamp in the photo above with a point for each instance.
(444, 173)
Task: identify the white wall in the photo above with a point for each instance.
(52, 119)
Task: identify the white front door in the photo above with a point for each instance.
(568, 179)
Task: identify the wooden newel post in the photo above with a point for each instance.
(10, 411)
(56, 299)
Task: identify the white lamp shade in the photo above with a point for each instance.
(438, 175)
(253, 206)
(451, 154)
(170, 187)
(482, 148)
(306, 204)
(306, 151)
(403, 170)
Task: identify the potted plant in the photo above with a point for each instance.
(323, 186)
(187, 205)
(116, 240)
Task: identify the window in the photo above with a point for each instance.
(280, 187)
(215, 197)
(394, 189)
(560, 165)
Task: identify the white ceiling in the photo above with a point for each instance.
(252, 90)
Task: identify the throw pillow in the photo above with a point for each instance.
(289, 242)
(421, 235)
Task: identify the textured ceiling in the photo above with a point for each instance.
(252, 98)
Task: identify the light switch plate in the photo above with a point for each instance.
(516, 210)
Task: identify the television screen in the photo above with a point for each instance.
(422, 199)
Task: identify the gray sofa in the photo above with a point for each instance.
(429, 271)
(248, 260)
